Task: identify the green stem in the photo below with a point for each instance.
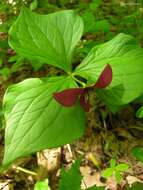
(136, 127)
(82, 83)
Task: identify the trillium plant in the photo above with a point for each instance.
(48, 112)
(69, 96)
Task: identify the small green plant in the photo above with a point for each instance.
(72, 178)
(115, 170)
(49, 112)
(69, 179)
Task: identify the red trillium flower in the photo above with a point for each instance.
(70, 96)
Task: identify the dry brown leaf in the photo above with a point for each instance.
(132, 179)
(90, 177)
(49, 160)
(4, 186)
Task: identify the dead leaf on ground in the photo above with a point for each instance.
(90, 177)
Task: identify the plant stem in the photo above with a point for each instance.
(82, 83)
(26, 171)
(136, 127)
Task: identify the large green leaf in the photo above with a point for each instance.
(126, 58)
(48, 38)
(35, 121)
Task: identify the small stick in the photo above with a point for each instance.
(25, 170)
(70, 152)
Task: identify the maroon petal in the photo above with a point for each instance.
(84, 102)
(105, 78)
(69, 96)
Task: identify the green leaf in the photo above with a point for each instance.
(5, 72)
(126, 59)
(35, 121)
(71, 179)
(96, 188)
(42, 185)
(1, 61)
(139, 112)
(136, 186)
(34, 5)
(48, 38)
(36, 65)
(89, 22)
(1, 116)
(94, 4)
(108, 172)
(122, 167)
(118, 176)
(138, 153)
(102, 25)
(112, 163)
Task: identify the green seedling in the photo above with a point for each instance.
(115, 170)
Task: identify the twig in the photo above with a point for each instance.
(25, 170)
(70, 152)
